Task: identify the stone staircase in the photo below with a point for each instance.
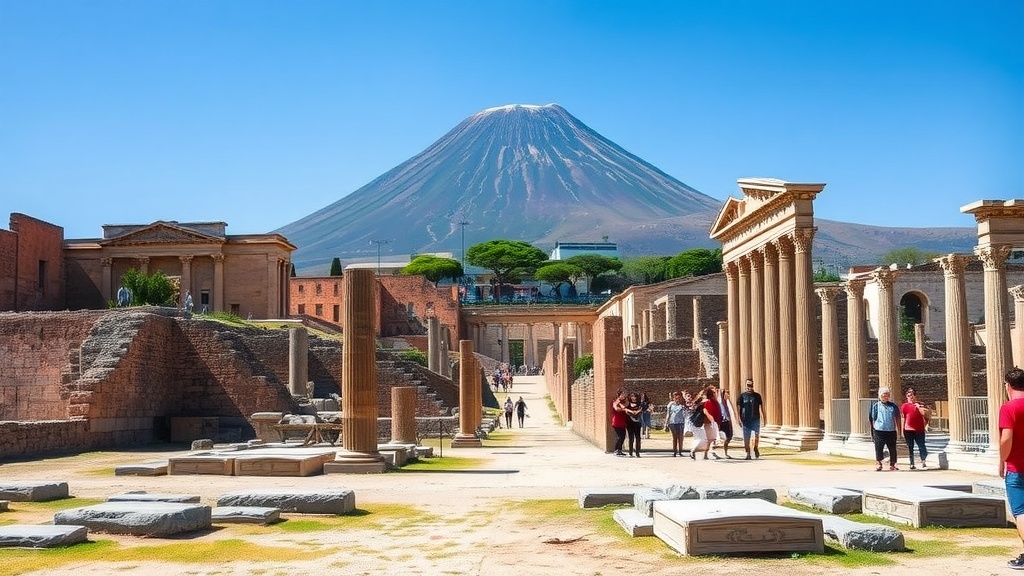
(665, 366)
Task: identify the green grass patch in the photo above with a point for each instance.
(445, 463)
(99, 472)
(15, 562)
(62, 504)
(553, 410)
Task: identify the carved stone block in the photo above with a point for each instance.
(923, 506)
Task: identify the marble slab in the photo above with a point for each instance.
(923, 506)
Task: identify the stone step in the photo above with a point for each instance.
(635, 523)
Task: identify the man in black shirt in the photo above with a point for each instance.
(751, 415)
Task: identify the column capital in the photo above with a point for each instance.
(723, 326)
(731, 269)
(784, 246)
(884, 277)
(743, 263)
(803, 239)
(769, 250)
(106, 262)
(993, 257)
(218, 257)
(953, 265)
(756, 259)
(855, 288)
(828, 294)
(144, 260)
(185, 259)
(1017, 292)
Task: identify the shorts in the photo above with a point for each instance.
(726, 428)
(1015, 493)
(752, 427)
(677, 428)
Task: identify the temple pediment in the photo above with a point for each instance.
(162, 233)
(731, 212)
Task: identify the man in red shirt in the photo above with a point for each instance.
(1011, 452)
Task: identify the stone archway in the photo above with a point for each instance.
(914, 307)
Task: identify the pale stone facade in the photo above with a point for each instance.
(244, 274)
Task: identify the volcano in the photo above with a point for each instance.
(522, 172)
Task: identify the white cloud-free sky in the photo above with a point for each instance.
(259, 113)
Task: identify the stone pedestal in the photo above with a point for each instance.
(403, 415)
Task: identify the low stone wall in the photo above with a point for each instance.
(19, 439)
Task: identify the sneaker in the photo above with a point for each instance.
(619, 453)
(717, 457)
(748, 457)
(893, 468)
(878, 468)
(757, 453)
(924, 464)
(692, 455)
(912, 467)
(1017, 563)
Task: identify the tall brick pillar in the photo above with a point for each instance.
(469, 399)
(434, 344)
(607, 377)
(358, 378)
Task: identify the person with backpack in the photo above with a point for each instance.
(508, 412)
(886, 425)
(520, 411)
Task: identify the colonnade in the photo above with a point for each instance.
(492, 337)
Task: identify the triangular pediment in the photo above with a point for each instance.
(162, 233)
(731, 212)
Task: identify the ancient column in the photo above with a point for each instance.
(787, 336)
(808, 387)
(608, 375)
(587, 344)
(469, 399)
(273, 266)
(107, 279)
(359, 378)
(959, 380)
(744, 297)
(997, 330)
(529, 347)
(1018, 318)
(218, 282)
(298, 360)
(645, 326)
(556, 339)
(671, 329)
(565, 381)
(732, 276)
(634, 331)
(695, 342)
(403, 415)
(919, 341)
(888, 333)
(857, 358)
(504, 343)
(757, 339)
(771, 387)
(186, 279)
(723, 354)
(657, 324)
(831, 383)
(434, 344)
(144, 264)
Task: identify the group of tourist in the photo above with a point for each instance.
(518, 407)
(706, 416)
(502, 377)
(888, 421)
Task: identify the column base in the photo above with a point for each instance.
(792, 438)
(466, 441)
(347, 462)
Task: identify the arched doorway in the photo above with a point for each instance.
(913, 310)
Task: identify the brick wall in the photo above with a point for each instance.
(32, 255)
(8, 268)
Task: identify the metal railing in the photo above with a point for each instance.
(841, 417)
(974, 422)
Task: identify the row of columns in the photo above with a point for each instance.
(579, 332)
(279, 274)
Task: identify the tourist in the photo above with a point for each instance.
(1011, 452)
(915, 418)
(619, 420)
(645, 415)
(675, 422)
(706, 432)
(520, 410)
(697, 432)
(752, 415)
(885, 427)
(728, 414)
(633, 426)
(509, 407)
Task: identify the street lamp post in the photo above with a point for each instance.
(379, 243)
(501, 351)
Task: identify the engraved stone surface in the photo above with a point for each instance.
(337, 501)
(732, 492)
(922, 506)
(831, 500)
(697, 527)
(860, 536)
(33, 491)
(138, 518)
(645, 498)
(41, 536)
(284, 464)
(598, 497)
(142, 496)
(216, 464)
(144, 469)
(245, 515)
(634, 522)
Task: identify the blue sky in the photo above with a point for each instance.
(259, 113)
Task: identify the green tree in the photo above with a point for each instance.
(414, 355)
(909, 255)
(644, 269)
(433, 268)
(558, 273)
(293, 270)
(695, 262)
(582, 364)
(594, 265)
(154, 289)
(507, 259)
(336, 267)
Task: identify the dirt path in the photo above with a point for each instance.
(494, 518)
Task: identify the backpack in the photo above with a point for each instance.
(698, 418)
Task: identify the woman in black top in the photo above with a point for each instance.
(633, 415)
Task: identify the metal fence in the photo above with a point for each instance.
(841, 417)
(974, 422)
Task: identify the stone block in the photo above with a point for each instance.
(831, 500)
(598, 497)
(144, 469)
(29, 491)
(337, 501)
(394, 458)
(736, 526)
(138, 518)
(922, 506)
(41, 536)
(424, 451)
(859, 536)
(994, 487)
(215, 464)
(202, 444)
(4, 505)
(281, 464)
(634, 522)
(644, 498)
(143, 496)
(245, 515)
(737, 492)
